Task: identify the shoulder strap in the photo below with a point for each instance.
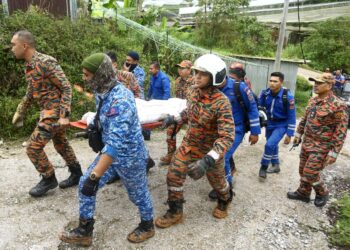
(238, 94)
(97, 116)
(285, 98)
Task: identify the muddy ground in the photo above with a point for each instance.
(261, 217)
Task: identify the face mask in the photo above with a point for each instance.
(132, 67)
(127, 64)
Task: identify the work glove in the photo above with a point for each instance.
(90, 187)
(198, 169)
(17, 120)
(168, 120)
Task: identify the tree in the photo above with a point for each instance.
(329, 44)
(221, 25)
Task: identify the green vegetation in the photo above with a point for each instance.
(303, 93)
(340, 234)
(69, 43)
(326, 47)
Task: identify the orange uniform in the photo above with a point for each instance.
(210, 127)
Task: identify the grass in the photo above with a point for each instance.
(340, 234)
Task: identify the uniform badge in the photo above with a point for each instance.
(113, 111)
(291, 104)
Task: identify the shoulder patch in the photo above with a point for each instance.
(113, 111)
(291, 104)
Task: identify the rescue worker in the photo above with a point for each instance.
(210, 134)
(339, 83)
(280, 107)
(49, 87)
(182, 84)
(322, 131)
(125, 77)
(159, 89)
(232, 73)
(132, 65)
(159, 83)
(245, 115)
(124, 153)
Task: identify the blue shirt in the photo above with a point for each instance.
(121, 129)
(140, 76)
(160, 87)
(278, 115)
(238, 112)
(338, 80)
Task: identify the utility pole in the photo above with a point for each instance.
(277, 65)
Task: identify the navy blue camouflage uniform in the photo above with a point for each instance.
(124, 142)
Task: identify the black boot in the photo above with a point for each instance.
(82, 235)
(73, 179)
(296, 196)
(320, 201)
(150, 164)
(144, 231)
(213, 195)
(44, 185)
(262, 171)
(274, 169)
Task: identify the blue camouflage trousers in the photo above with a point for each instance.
(132, 172)
(239, 135)
(273, 137)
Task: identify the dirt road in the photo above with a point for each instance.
(261, 217)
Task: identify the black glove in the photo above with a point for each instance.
(198, 169)
(95, 138)
(90, 187)
(169, 120)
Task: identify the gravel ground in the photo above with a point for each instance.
(260, 217)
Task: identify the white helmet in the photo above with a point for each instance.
(212, 64)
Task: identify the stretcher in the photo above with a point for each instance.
(82, 125)
(151, 113)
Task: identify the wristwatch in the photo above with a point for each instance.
(93, 176)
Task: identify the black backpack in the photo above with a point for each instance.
(238, 95)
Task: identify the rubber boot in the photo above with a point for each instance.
(166, 160)
(297, 196)
(144, 231)
(262, 171)
(274, 169)
(221, 210)
(44, 185)
(73, 179)
(150, 163)
(320, 201)
(173, 216)
(82, 235)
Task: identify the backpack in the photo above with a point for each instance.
(238, 95)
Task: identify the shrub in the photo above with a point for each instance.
(69, 43)
(303, 84)
(340, 234)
